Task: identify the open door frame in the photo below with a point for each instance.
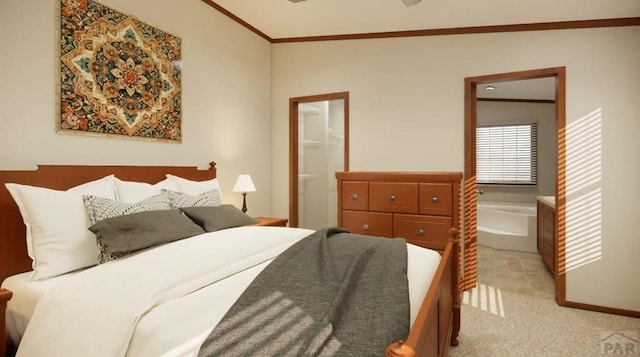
(470, 273)
(293, 144)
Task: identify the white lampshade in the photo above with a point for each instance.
(244, 184)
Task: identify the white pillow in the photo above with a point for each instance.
(58, 239)
(132, 192)
(194, 188)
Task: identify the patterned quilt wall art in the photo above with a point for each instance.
(118, 75)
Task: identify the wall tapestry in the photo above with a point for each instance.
(118, 76)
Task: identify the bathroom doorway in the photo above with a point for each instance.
(318, 148)
(516, 158)
(471, 189)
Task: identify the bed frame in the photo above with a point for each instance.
(436, 326)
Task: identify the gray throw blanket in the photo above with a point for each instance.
(332, 293)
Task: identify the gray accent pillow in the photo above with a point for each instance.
(99, 209)
(219, 217)
(179, 199)
(126, 234)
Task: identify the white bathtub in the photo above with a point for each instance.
(510, 226)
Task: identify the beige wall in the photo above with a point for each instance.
(543, 114)
(406, 113)
(226, 84)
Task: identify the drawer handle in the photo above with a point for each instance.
(435, 199)
(392, 198)
(420, 232)
(365, 227)
(354, 196)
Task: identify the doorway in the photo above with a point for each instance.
(318, 148)
(471, 187)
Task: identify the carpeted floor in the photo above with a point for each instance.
(512, 313)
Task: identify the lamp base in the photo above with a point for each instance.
(244, 202)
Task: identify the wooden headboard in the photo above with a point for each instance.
(13, 248)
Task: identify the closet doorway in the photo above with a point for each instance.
(318, 148)
(470, 184)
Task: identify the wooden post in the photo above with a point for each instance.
(399, 349)
(5, 295)
(455, 285)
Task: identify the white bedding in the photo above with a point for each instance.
(26, 293)
(167, 324)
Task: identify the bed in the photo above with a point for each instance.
(435, 315)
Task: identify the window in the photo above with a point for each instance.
(506, 154)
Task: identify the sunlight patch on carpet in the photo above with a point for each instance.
(486, 298)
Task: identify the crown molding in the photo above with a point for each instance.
(235, 18)
(538, 26)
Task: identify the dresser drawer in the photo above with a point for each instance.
(369, 223)
(393, 197)
(427, 231)
(355, 195)
(436, 199)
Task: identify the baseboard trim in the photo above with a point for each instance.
(603, 309)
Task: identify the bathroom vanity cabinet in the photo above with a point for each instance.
(547, 247)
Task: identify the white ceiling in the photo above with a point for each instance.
(537, 89)
(283, 19)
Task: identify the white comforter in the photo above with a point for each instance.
(94, 314)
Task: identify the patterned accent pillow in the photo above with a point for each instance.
(180, 200)
(99, 208)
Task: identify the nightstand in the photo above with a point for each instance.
(270, 221)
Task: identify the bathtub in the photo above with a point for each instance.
(509, 226)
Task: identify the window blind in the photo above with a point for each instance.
(506, 154)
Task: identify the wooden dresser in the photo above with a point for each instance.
(418, 206)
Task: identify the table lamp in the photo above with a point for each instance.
(244, 185)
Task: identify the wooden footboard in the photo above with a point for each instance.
(5, 295)
(438, 321)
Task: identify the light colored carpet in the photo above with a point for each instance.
(533, 324)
